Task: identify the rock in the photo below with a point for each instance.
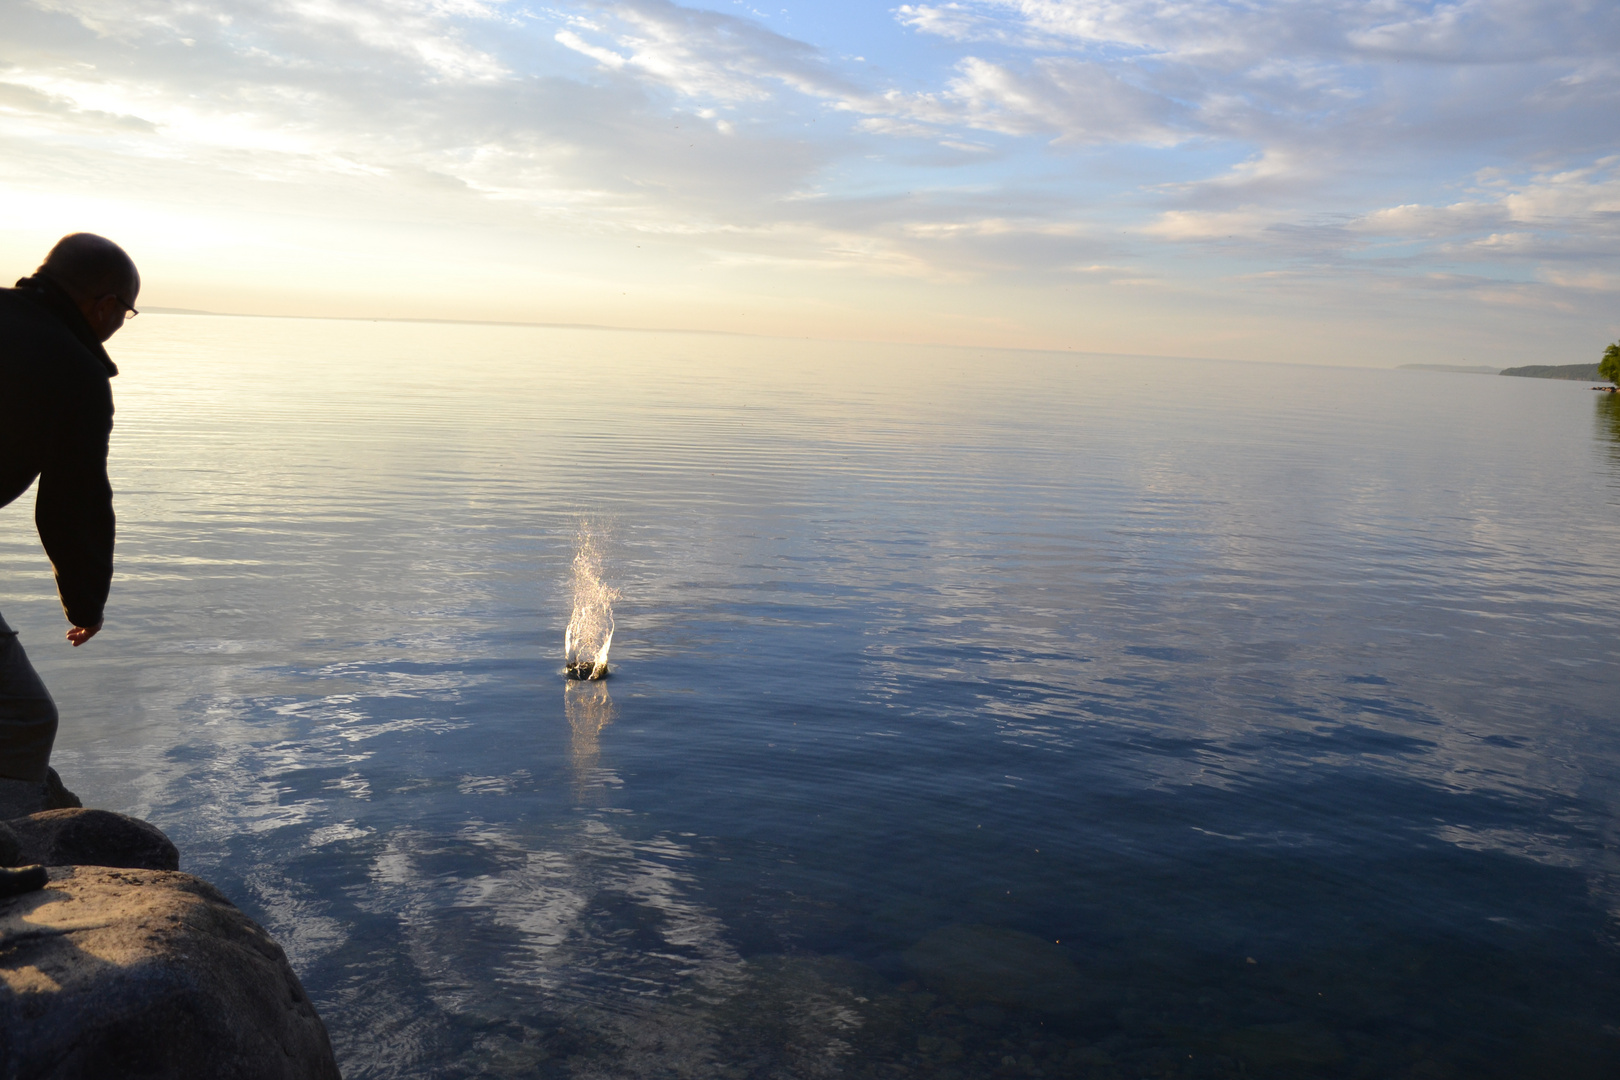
(92, 838)
(118, 972)
(19, 798)
(57, 796)
(10, 846)
(25, 879)
(1280, 1046)
(976, 965)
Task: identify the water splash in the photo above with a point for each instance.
(590, 629)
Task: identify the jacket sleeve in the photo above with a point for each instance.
(74, 511)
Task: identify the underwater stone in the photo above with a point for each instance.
(1277, 1046)
(977, 965)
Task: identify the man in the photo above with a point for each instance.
(56, 414)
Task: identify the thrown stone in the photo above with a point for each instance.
(117, 972)
(92, 838)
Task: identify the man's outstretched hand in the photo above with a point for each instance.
(81, 634)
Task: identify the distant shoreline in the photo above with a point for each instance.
(1566, 372)
(1570, 372)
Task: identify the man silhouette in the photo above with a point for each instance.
(56, 414)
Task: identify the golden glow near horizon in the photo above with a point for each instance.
(1424, 182)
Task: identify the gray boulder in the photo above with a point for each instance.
(57, 796)
(89, 838)
(19, 798)
(111, 972)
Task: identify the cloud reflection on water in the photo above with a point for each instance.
(586, 942)
(1282, 667)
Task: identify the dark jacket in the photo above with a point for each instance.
(56, 414)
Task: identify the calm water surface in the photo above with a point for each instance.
(973, 714)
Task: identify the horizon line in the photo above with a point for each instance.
(727, 333)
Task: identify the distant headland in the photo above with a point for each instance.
(1570, 372)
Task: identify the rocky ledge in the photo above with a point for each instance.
(114, 964)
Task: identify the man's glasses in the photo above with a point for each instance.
(129, 309)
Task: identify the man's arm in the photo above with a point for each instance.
(74, 514)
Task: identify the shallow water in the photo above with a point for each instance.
(971, 713)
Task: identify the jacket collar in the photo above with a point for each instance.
(56, 300)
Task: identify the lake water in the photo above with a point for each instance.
(972, 713)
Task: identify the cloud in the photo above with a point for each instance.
(607, 57)
(1414, 221)
(900, 129)
(420, 91)
(710, 55)
(713, 57)
(1487, 31)
(1585, 280)
(1034, 140)
(18, 100)
(1070, 101)
(1558, 228)
(1410, 76)
(1236, 32)
(1585, 200)
(1182, 225)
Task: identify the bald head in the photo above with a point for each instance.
(91, 266)
(99, 275)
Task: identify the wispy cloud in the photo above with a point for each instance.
(1037, 139)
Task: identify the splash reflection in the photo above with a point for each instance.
(589, 708)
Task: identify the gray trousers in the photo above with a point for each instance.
(27, 713)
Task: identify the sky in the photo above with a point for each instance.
(1330, 181)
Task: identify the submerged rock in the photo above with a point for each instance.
(976, 965)
(78, 837)
(119, 972)
(1278, 1046)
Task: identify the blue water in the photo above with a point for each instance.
(972, 713)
